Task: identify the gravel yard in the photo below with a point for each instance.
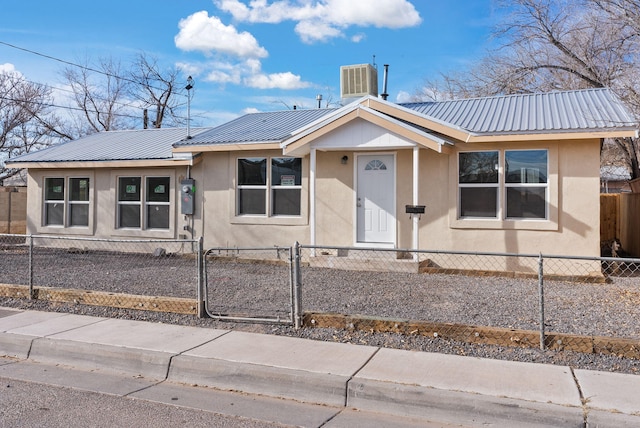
(611, 309)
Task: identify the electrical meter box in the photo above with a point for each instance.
(187, 196)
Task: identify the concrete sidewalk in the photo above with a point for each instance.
(452, 389)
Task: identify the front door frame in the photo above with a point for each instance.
(394, 223)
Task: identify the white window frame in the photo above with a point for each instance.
(268, 188)
(71, 202)
(544, 185)
(501, 221)
(143, 203)
(148, 203)
(495, 185)
(66, 202)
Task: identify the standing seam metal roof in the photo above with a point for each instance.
(582, 110)
(568, 111)
(258, 127)
(140, 144)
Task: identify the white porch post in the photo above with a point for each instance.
(312, 200)
(415, 217)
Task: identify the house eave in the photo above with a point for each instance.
(300, 144)
(146, 163)
(228, 147)
(555, 136)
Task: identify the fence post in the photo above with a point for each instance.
(297, 287)
(541, 300)
(200, 267)
(31, 292)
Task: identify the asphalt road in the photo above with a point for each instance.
(27, 404)
(33, 404)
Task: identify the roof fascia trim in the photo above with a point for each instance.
(229, 147)
(566, 135)
(296, 143)
(104, 164)
(419, 119)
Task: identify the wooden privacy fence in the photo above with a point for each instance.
(620, 219)
(13, 210)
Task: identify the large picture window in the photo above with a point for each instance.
(269, 186)
(143, 202)
(512, 184)
(66, 201)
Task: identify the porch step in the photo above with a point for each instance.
(365, 260)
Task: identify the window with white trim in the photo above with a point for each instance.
(66, 201)
(143, 202)
(269, 186)
(509, 184)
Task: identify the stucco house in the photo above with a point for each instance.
(517, 174)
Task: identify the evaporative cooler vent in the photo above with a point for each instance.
(358, 80)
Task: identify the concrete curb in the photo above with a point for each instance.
(427, 385)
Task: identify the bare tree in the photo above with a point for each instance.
(547, 45)
(157, 89)
(26, 120)
(99, 92)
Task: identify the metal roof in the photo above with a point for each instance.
(611, 172)
(258, 127)
(566, 111)
(141, 144)
(554, 112)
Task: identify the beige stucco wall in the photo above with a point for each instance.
(102, 210)
(573, 228)
(217, 219)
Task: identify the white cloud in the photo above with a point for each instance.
(404, 97)
(249, 73)
(207, 34)
(285, 80)
(250, 110)
(316, 31)
(357, 38)
(321, 20)
(8, 68)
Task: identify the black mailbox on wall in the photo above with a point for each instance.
(414, 209)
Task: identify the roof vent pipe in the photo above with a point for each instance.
(384, 94)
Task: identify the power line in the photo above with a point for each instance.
(55, 88)
(40, 103)
(84, 67)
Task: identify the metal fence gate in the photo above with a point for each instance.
(251, 285)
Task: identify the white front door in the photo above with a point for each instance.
(375, 199)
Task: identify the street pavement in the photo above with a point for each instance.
(300, 382)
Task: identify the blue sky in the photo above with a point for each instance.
(251, 55)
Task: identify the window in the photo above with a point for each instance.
(478, 181)
(54, 202)
(516, 178)
(79, 202)
(526, 183)
(269, 185)
(66, 201)
(143, 208)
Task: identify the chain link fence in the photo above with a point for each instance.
(566, 303)
(582, 304)
(250, 284)
(158, 275)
